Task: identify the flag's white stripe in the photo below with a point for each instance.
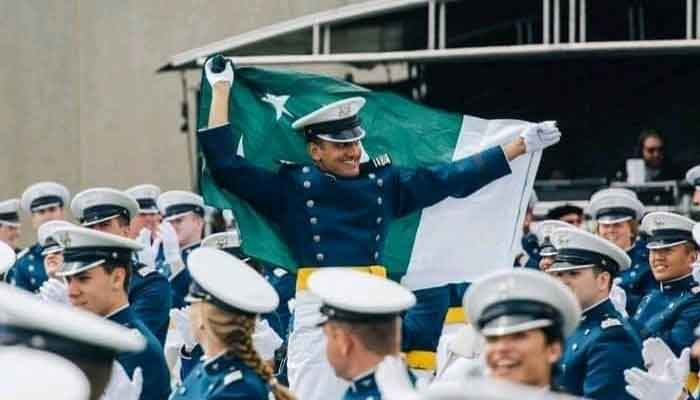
(459, 240)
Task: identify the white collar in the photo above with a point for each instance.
(589, 308)
(209, 360)
(118, 310)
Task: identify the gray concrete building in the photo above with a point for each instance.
(81, 102)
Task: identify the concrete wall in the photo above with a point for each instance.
(81, 103)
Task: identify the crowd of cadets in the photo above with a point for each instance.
(151, 295)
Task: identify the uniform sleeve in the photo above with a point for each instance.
(608, 359)
(423, 187)
(152, 306)
(262, 189)
(681, 334)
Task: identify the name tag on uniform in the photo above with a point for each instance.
(233, 377)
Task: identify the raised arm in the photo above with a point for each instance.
(423, 187)
(261, 188)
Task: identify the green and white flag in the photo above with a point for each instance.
(455, 240)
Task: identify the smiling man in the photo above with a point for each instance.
(672, 310)
(524, 315)
(97, 267)
(336, 211)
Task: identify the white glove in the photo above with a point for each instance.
(226, 75)
(657, 355)
(146, 256)
(265, 340)
(646, 386)
(171, 244)
(393, 380)
(120, 387)
(540, 136)
(181, 317)
(55, 291)
(619, 299)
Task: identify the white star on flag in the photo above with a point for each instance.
(278, 103)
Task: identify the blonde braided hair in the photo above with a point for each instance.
(236, 332)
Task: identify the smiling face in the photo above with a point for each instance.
(671, 262)
(619, 233)
(522, 357)
(340, 159)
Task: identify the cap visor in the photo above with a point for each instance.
(506, 326)
(660, 244)
(613, 219)
(76, 267)
(176, 216)
(565, 266)
(345, 136)
(97, 221)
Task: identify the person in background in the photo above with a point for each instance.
(617, 213)
(10, 230)
(604, 344)
(693, 178)
(568, 213)
(524, 315)
(45, 201)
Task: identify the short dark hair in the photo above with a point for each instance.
(378, 337)
(597, 270)
(558, 212)
(109, 267)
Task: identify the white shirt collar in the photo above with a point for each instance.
(117, 310)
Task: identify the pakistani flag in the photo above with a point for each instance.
(455, 240)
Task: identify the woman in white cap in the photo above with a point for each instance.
(617, 213)
(226, 295)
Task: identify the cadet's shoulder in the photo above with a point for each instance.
(21, 256)
(614, 330)
(241, 384)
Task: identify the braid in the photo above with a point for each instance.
(236, 331)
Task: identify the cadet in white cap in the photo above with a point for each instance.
(105, 209)
(604, 344)
(148, 216)
(181, 232)
(9, 222)
(265, 339)
(45, 201)
(309, 204)
(362, 315)
(90, 342)
(693, 178)
(543, 232)
(524, 315)
(671, 310)
(97, 267)
(226, 295)
(50, 249)
(618, 213)
(59, 378)
(110, 210)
